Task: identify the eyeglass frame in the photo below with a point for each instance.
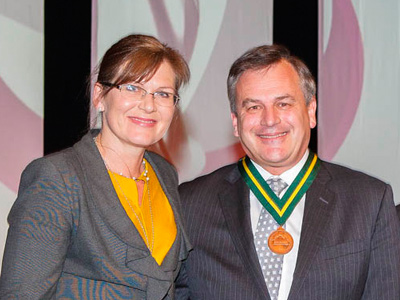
(144, 92)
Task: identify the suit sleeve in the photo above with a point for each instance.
(181, 284)
(383, 280)
(398, 210)
(40, 223)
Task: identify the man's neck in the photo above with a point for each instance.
(289, 174)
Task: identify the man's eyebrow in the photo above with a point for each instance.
(285, 96)
(249, 100)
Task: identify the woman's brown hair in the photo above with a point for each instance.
(136, 58)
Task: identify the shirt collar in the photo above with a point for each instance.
(287, 176)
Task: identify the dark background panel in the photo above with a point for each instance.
(67, 36)
(296, 27)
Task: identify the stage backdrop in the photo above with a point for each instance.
(359, 110)
(210, 35)
(21, 96)
(359, 90)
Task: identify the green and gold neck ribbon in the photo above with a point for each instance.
(280, 209)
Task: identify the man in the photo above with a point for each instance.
(332, 233)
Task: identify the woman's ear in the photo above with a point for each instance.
(98, 97)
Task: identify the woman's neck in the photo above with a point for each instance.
(119, 158)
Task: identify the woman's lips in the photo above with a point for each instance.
(143, 121)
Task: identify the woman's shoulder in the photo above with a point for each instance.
(62, 160)
(62, 166)
(55, 162)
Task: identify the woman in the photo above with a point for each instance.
(100, 220)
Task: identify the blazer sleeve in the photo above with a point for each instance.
(383, 279)
(40, 224)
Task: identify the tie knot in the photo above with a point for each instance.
(276, 184)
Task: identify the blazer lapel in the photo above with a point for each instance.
(102, 195)
(168, 180)
(317, 211)
(235, 204)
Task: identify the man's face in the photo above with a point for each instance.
(273, 121)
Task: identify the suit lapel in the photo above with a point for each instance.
(235, 204)
(317, 211)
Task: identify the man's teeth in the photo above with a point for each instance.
(273, 136)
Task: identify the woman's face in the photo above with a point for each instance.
(138, 123)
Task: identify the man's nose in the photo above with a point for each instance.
(270, 117)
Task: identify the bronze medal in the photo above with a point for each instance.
(280, 241)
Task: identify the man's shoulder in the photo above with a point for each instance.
(344, 174)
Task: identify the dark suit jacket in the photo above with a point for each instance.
(70, 238)
(398, 210)
(349, 246)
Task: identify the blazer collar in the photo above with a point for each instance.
(234, 200)
(317, 212)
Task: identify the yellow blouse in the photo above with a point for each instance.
(155, 205)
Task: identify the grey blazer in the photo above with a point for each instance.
(70, 238)
(349, 245)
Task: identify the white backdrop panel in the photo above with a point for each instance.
(359, 116)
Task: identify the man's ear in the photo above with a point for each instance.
(234, 124)
(312, 111)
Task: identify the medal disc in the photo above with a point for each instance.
(280, 241)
